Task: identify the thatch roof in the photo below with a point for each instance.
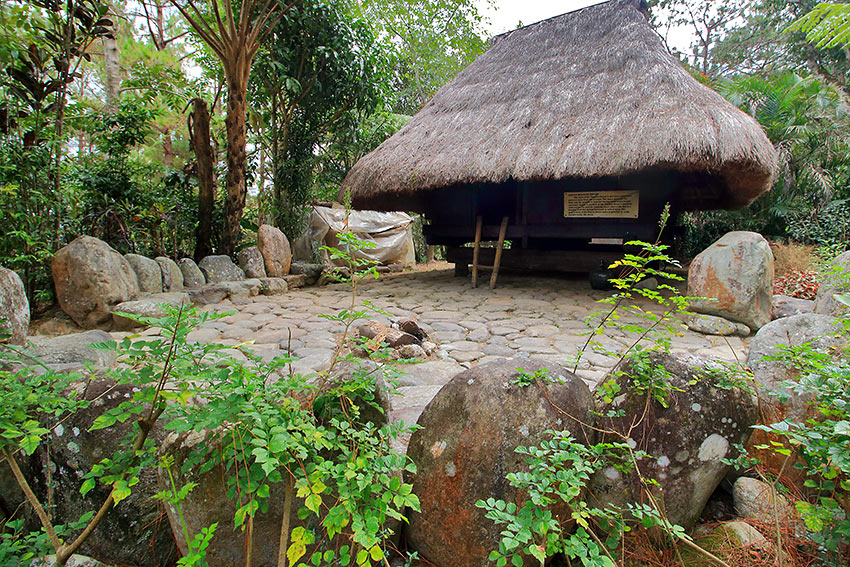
(590, 93)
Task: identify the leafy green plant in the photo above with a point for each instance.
(822, 441)
(558, 472)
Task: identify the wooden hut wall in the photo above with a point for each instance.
(535, 211)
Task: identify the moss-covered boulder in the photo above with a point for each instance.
(466, 445)
(686, 414)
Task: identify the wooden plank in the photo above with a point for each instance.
(452, 234)
(499, 247)
(566, 261)
(478, 225)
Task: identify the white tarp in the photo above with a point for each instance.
(390, 233)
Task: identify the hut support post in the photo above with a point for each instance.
(479, 223)
(502, 231)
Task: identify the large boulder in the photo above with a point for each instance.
(824, 334)
(152, 306)
(687, 437)
(218, 269)
(251, 261)
(90, 277)
(734, 278)
(208, 503)
(147, 272)
(837, 280)
(172, 276)
(14, 307)
(466, 445)
(73, 352)
(274, 246)
(786, 306)
(192, 274)
(135, 532)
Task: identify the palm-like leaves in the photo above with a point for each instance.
(828, 25)
(806, 121)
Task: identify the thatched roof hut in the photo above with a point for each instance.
(589, 94)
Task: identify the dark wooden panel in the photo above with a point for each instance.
(536, 260)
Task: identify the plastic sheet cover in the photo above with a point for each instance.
(390, 233)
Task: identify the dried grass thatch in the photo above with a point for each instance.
(591, 93)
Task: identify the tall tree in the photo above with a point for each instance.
(708, 20)
(433, 40)
(234, 34)
(199, 132)
(320, 69)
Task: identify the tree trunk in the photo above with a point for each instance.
(237, 189)
(199, 133)
(112, 64)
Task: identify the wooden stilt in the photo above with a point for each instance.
(502, 231)
(479, 224)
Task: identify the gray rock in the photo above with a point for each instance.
(147, 271)
(208, 295)
(172, 276)
(251, 261)
(274, 286)
(296, 281)
(90, 277)
(412, 351)
(712, 325)
(275, 249)
(151, 306)
(218, 269)
(687, 440)
(133, 533)
(208, 502)
(14, 307)
(822, 331)
(312, 271)
(734, 276)
(786, 306)
(756, 500)
(73, 561)
(245, 288)
(837, 280)
(432, 373)
(72, 351)
(463, 452)
(192, 274)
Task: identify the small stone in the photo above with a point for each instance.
(713, 325)
(412, 351)
(428, 347)
(274, 286)
(756, 500)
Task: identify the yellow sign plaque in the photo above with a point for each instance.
(601, 204)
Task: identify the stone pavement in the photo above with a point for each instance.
(525, 317)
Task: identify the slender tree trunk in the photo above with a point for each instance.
(199, 132)
(237, 189)
(112, 64)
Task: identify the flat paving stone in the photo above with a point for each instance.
(527, 317)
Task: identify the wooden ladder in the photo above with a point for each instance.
(479, 225)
